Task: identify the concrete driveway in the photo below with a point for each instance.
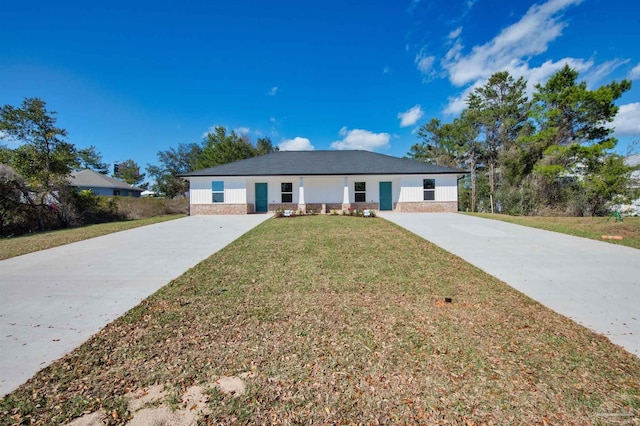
(53, 300)
(596, 284)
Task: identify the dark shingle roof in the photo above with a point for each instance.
(89, 178)
(309, 163)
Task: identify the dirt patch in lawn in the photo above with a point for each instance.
(153, 405)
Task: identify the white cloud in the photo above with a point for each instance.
(361, 139)
(413, 5)
(634, 74)
(242, 131)
(410, 117)
(425, 63)
(211, 129)
(539, 75)
(511, 50)
(458, 103)
(455, 33)
(454, 53)
(273, 120)
(536, 75)
(296, 144)
(273, 91)
(528, 37)
(627, 121)
(603, 70)
(386, 70)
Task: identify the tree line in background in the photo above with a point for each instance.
(550, 155)
(36, 192)
(218, 147)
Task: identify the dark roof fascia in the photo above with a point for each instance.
(454, 172)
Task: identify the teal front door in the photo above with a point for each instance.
(385, 196)
(262, 198)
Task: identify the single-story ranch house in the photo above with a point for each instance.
(101, 184)
(322, 181)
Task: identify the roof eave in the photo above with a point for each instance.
(453, 172)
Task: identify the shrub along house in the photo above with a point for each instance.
(322, 181)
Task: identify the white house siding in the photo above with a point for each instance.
(200, 190)
(275, 191)
(273, 188)
(323, 189)
(413, 191)
(234, 190)
(320, 189)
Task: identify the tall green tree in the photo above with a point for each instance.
(452, 144)
(90, 158)
(500, 108)
(44, 159)
(172, 163)
(218, 147)
(470, 153)
(129, 171)
(576, 164)
(12, 206)
(264, 146)
(221, 148)
(438, 144)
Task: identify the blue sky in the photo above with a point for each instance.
(136, 77)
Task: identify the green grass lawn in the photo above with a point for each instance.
(587, 227)
(342, 321)
(17, 246)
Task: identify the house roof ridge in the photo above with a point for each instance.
(88, 177)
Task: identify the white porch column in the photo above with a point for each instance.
(301, 203)
(345, 194)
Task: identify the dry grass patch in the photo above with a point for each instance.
(17, 246)
(587, 227)
(341, 320)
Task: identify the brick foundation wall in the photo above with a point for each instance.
(314, 207)
(323, 207)
(365, 206)
(427, 207)
(283, 206)
(406, 207)
(334, 206)
(220, 208)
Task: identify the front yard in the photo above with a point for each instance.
(341, 320)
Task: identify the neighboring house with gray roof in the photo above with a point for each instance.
(323, 181)
(101, 184)
(634, 160)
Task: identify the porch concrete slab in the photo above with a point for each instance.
(53, 300)
(597, 284)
